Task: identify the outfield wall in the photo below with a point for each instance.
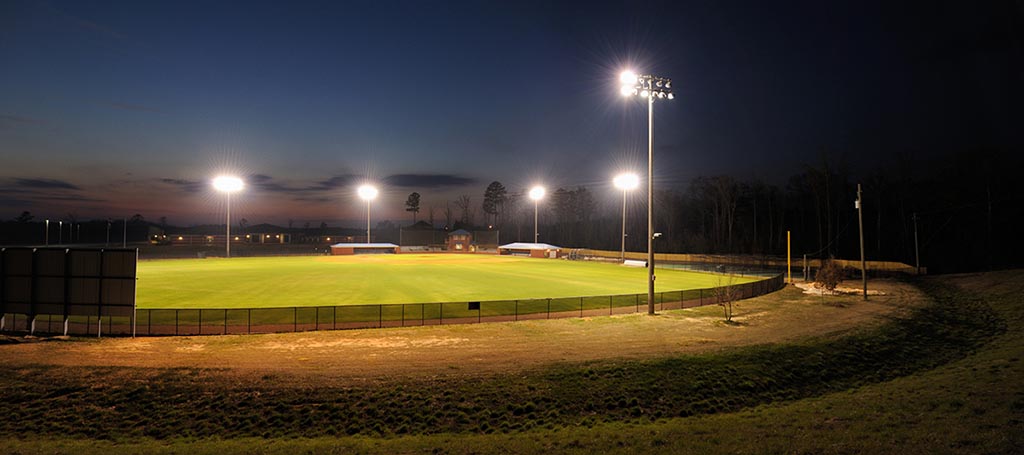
(161, 322)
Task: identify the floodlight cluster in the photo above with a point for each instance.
(645, 85)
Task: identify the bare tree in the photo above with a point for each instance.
(465, 205)
(448, 215)
(726, 293)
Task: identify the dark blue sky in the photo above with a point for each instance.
(115, 108)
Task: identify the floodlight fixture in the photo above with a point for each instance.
(627, 78)
(650, 87)
(228, 184)
(537, 193)
(368, 192)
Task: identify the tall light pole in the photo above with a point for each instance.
(60, 232)
(650, 87)
(860, 221)
(536, 193)
(367, 193)
(46, 236)
(917, 255)
(625, 182)
(227, 184)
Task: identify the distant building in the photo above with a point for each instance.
(460, 241)
(346, 249)
(534, 250)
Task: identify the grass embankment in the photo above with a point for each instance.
(376, 279)
(898, 385)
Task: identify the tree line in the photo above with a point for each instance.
(966, 207)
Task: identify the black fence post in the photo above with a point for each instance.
(248, 321)
(549, 307)
(200, 322)
(516, 318)
(637, 298)
(175, 322)
(316, 325)
(225, 321)
(295, 319)
(440, 320)
(609, 305)
(380, 316)
(334, 316)
(403, 315)
(423, 314)
(581, 307)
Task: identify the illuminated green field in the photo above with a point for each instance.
(375, 279)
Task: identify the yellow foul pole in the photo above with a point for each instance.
(789, 261)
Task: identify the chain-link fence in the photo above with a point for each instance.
(298, 319)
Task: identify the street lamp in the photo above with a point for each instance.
(46, 236)
(536, 193)
(625, 182)
(367, 193)
(650, 87)
(228, 184)
(60, 232)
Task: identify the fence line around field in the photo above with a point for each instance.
(171, 322)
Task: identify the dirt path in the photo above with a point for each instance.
(360, 356)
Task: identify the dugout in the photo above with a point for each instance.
(534, 250)
(340, 249)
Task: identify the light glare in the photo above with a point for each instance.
(367, 192)
(626, 181)
(228, 184)
(626, 90)
(537, 193)
(627, 77)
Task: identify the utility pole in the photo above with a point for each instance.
(917, 255)
(108, 233)
(124, 240)
(46, 236)
(860, 221)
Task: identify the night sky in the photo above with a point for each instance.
(110, 109)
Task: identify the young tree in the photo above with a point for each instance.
(494, 198)
(726, 293)
(412, 204)
(829, 276)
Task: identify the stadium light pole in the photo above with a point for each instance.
(46, 236)
(228, 184)
(60, 232)
(650, 87)
(367, 193)
(625, 182)
(536, 193)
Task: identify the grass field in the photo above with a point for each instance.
(929, 371)
(376, 279)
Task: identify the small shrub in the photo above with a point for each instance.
(829, 275)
